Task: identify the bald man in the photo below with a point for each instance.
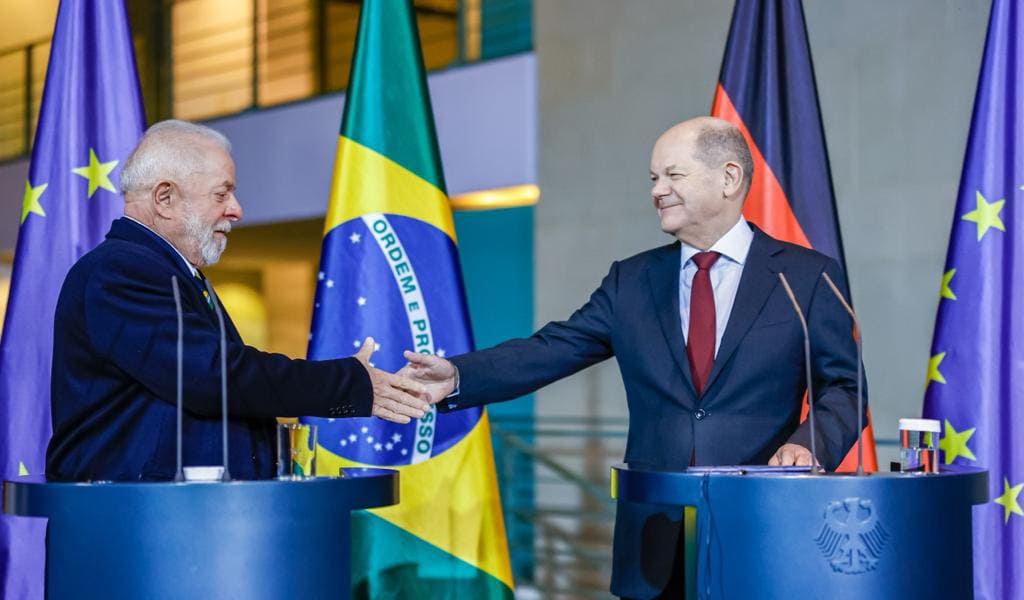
(113, 384)
(710, 349)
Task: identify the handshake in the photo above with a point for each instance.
(409, 393)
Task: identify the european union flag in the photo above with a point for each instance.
(975, 380)
(90, 119)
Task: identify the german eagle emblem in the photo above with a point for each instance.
(852, 537)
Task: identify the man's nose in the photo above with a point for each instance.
(233, 210)
(660, 189)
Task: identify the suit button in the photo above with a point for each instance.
(700, 414)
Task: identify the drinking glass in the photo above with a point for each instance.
(296, 451)
(919, 440)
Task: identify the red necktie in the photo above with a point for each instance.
(700, 339)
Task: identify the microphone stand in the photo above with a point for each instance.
(807, 367)
(223, 378)
(179, 474)
(860, 370)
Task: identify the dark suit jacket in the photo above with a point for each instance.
(114, 377)
(751, 403)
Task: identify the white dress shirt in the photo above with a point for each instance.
(194, 271)
(725, 276)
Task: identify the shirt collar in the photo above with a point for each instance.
(734, 245)
(191, 268)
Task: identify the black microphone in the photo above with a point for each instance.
(860, 370)
(223, 377)
(807, 367)
(180, 473)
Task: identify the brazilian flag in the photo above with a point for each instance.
(389, 269)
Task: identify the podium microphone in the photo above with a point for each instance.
(223, 378)
(179, 475)
(807, 368)
(860, 370)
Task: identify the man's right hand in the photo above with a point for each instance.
(434, 372)
(396, 398)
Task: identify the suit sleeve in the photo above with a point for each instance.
(834, 374)
(131, 321)
(559, 349)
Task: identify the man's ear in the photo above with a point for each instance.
(163, 195)
(732, 178)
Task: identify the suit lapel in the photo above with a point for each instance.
(756, 284)
(229, 326)
(663, 276)
(230, 330)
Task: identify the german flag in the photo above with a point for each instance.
(767, 89)
(389, 269)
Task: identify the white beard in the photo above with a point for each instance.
(200, 234)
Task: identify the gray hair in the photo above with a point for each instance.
(168, 149)
(718, 143)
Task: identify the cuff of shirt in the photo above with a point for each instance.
(451, 401)
(455, 392)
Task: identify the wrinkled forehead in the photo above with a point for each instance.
(214, 162)
(675, 146)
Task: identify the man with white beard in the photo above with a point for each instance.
(113, 382)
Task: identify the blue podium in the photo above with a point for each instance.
(242, 539)
(766, 536)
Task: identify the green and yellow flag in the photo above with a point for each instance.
(389, 269)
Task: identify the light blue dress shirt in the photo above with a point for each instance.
(725, 276)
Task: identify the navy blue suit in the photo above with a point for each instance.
(751, 403)
(113, 380)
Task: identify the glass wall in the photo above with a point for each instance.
(22, 72)
(211, 57)
(199, 59)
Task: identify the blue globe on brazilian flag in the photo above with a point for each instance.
(389, 269)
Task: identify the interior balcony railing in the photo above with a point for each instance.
(554, 477)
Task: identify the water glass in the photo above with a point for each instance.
(296, 450)
(919, 440)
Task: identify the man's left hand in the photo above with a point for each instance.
(789, 455)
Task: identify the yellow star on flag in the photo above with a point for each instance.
(30, 201)
(954, 443)
(986, 215)
(1009, 500)
(22, 471)
(98, 173)
(933, 369)
(946, 292)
